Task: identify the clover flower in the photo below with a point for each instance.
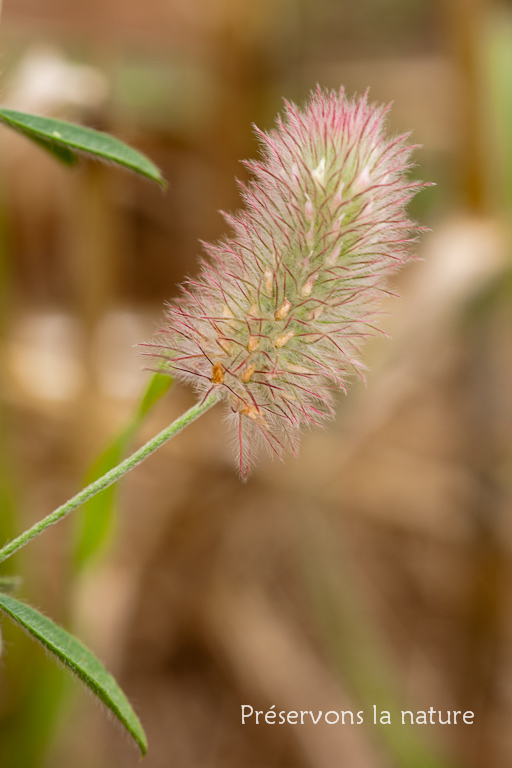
(277, 317)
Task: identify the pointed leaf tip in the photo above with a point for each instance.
(65, 140)
(80, 660)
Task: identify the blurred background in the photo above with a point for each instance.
(373, 569)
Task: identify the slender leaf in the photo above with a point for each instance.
(158, 385)
(79, 660)
(95, 520)
(9, 583)
(39, 694)
(59, 151)
(65, 140)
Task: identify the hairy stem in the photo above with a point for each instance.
(110, 477)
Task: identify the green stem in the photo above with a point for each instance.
(109, 477)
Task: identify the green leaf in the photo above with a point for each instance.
(64, 140)
(9, 583)
(95, 521)
(159, 384)
(61, 152)
(79, 660)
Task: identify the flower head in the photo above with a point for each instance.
(276, 319)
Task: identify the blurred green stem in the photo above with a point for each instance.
(110, 477)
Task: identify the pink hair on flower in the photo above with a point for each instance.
(277, 317)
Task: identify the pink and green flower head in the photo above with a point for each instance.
(276, 319)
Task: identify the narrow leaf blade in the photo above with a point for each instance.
(65, 139)
(59, 151)
(9, 583)
(79, 660)
(95, 521)
(158, 386)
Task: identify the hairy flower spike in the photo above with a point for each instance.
(275, 322)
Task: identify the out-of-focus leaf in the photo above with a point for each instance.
(95, 521)
(65, 140)
(59, 151)
(9, 583)
(497, 50)
(79, 660)
(39, 695)
(490, 295)
(353, 645)
(159, 384)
